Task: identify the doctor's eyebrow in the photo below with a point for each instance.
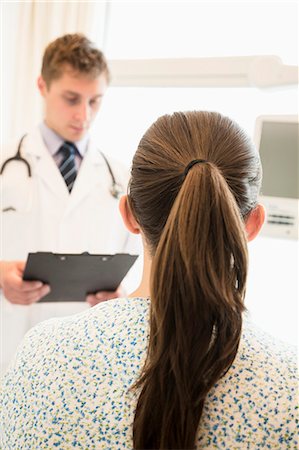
(77, 95)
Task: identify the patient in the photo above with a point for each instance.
(177, 365)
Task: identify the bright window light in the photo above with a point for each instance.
(202, 29)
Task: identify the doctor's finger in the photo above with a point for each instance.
(107, 295)
(30, 296)
(28, 286)
(16, 298)
(38, 294)
(92, 300)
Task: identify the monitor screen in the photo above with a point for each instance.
(278, 147)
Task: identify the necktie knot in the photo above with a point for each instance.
(67, 165)
(67, 149)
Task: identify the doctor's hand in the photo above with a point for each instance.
(103, 296)
(15, 289)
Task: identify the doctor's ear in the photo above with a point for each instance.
(42, 86)
(127, 215)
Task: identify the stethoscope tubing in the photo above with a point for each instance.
(17, 157)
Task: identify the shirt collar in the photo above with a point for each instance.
(53, 141)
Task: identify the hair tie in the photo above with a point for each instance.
(192, 163)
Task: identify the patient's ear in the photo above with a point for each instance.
(127, 215)
(254, 222)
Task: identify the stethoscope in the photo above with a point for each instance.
(115, 190)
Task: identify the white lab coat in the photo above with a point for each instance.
(48, 218)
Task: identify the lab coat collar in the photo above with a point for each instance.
(44, 166)
(53, 141)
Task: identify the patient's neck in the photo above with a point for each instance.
(143, 289)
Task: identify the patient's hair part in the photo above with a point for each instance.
(73, 52)
(194, 226)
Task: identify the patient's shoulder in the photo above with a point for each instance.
(58, 339)
(255, 404)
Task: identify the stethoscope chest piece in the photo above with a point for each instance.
(116, 190)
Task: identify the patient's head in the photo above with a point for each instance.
(193, 192)
(164, 152)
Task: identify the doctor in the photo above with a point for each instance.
(62, 195)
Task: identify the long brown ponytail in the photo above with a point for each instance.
(194, 225)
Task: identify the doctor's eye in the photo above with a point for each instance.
(71, 100)
(94, 102)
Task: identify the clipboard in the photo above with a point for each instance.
(73, 276)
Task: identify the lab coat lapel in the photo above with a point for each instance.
(43, 164)
(88, 176)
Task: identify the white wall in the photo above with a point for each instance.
(273, 289)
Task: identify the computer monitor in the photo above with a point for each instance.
(276, 138)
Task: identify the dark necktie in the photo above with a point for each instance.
(67, 166)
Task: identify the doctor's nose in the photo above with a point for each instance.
(83, 112)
